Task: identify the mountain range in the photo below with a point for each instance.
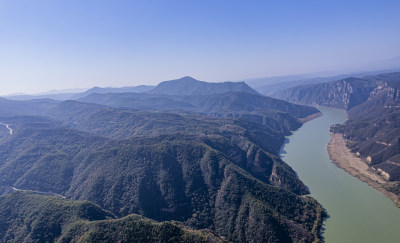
(209, 162)
(183, 86)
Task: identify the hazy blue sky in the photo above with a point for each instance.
(54, 44)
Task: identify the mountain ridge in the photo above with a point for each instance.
(190, 86)
(30, 217)
(208, 161)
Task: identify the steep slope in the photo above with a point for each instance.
(373, 133)
(191, 86)
(344, 94)
(272, 86)
(190, 178)
(29, 217)
(372, 129)
(208, 161)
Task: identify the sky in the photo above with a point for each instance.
(55, 44)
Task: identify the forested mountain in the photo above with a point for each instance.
(268, 111)
(190, 178)
(30, 217)
(190, 86)
(212, 166)
(183, 86)
(31, 107)
(127, 89)
(77, 95)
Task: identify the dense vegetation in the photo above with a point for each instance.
(217, 169)
(190, 178)
(190, 86)
(278, 114)
(30, 217)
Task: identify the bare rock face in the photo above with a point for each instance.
(372, 130)
(345, 93)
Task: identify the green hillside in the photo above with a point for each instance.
(29, 217)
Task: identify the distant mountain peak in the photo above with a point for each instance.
(187, 78)
(190, 86)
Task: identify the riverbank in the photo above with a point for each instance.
(342, 157)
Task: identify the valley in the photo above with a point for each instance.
(209, 162)
(199, 121)
(356, 211)
(371, 131)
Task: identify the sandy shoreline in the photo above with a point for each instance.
(343, 158)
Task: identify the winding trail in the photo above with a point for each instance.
(8, 127)
(39, 192)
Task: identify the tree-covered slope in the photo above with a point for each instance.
(207, 161)
(192, 178)
(191, 86)
(27, 217)
(30, 217)
(30, 107)
(280, 115)
(126, 123)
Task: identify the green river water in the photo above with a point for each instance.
(357, 212)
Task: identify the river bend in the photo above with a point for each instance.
(357, 212)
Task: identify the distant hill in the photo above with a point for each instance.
(191, 86)
(272, 86)
(59, 96)
(98, 90)
(279, 114)
(345, 93)
(10, 107)
(208, 161)
(30, 217)
(77, 95)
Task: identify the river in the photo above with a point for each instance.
(357, 212)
